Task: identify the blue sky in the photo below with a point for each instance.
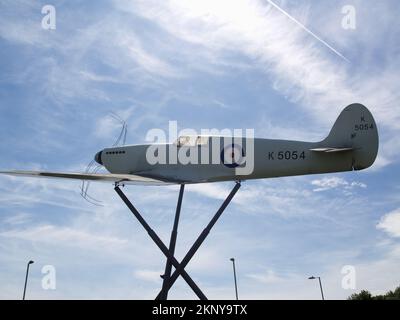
(205, 64)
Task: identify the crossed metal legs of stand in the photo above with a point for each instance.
(168, 266)
(169, 279)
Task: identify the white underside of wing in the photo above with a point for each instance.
(101, 177)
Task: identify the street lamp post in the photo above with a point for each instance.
(26, 277)
(320, 285)
(234, 276)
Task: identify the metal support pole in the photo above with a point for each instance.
(200, 240)
(26, 278)
(234, 276)
(161, 245)
(172, 243)
(320, 286)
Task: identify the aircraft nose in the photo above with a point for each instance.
(97, 157)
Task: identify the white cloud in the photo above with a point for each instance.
(268, 129)
(390, 223)
(328, 183)
(98, 78)
(109, 127)
(18, 218)
(72, 69)
(357, 184)
(146, 60)
(210, 190)
(267, 277)
(56, 235)
(388, 151)
(148, 275)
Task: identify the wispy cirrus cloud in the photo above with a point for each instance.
(301, 69)
(56, 235)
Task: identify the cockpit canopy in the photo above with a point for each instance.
(191, 141)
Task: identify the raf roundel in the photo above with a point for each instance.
(232, 156)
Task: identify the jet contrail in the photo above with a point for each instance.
(307, 30)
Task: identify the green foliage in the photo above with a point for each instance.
(363, 295)
(366, 295)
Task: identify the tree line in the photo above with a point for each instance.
(366, 295)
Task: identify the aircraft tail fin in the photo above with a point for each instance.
(354, 130)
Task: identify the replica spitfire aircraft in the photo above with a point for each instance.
(352, 144)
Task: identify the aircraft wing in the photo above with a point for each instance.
(105, 177)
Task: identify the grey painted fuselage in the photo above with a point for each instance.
(352, 144)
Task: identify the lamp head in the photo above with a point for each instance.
(311, 278)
